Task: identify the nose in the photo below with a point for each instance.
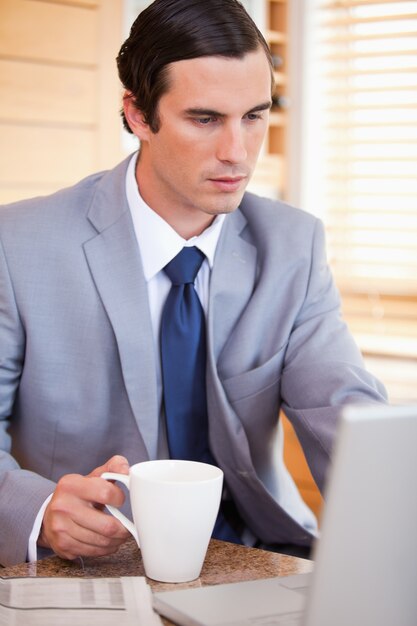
(231, 146)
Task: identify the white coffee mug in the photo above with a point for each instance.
(174, 506)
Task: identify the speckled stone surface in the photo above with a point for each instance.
(224, 563)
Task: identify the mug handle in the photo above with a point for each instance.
(125, 479)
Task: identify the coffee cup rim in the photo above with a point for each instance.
(139, 469)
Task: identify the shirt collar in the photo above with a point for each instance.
(158, 242)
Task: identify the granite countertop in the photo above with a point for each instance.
(225, 562)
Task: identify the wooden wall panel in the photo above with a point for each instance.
(33, 92)
(52, 156)
(13, 193)
(109, 137)
(59, 93)
(58, 33)
(76, 3)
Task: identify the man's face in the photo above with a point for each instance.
(213, 119)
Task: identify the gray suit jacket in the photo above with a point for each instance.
(77, 362)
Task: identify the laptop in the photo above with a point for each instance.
(365, 571)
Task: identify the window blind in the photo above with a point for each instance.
(367, 51)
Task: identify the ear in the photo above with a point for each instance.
(135, 117)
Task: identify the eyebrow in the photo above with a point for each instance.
(264, 106)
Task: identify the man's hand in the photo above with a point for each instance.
(74, 524)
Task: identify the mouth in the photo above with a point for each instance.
(228, 183)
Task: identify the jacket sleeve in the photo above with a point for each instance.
(21, 492)
(324, 368)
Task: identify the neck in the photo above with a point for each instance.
(186, 222)
(188, 229)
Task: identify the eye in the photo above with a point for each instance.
(204, 121)
(252, 117)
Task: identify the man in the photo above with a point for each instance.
(84, 292)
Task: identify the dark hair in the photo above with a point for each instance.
(174, 30)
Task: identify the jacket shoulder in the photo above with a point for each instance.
(269, 219)
(59, 200)
(74, 199)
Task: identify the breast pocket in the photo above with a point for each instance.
(255, 394)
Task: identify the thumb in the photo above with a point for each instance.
(117, 463)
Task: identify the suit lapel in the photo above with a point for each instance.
(231, 288)
(115, 264)
(232, 281)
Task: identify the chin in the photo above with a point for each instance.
(221, 210)
(227, 206)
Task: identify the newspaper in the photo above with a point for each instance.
(125, 601)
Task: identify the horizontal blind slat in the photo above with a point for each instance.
(367, 64)
(338, 4)
(354, 21)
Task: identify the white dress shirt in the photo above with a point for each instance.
(158, 244)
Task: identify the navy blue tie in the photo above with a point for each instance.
(183, 356)
(183, 352)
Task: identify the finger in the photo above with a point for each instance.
(97, 527)
(117, 463)
(87, 489)
(66, 503)
(93, 532)
(82, 532)
(77, 542)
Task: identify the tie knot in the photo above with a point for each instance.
(184, 267)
